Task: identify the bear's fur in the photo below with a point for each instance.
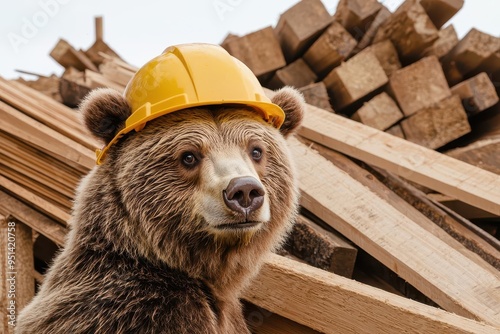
(153, 247)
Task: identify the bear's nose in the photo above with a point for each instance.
(244, 195)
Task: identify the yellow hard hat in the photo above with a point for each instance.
(191, 75)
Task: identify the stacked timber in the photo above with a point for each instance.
(382, 220)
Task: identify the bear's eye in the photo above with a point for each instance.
(189, 159)
(257, 153)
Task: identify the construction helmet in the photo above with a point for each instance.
(191, 75)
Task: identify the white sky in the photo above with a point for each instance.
(140, 30)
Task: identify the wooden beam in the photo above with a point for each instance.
(296, 74)
(330, 49)
(441, 11)
(31, 217)
(331, 304)
(438, 124)
(355, 79)
(419, 85)
(381, 112)
(357, 15)
(300, 25)
(415, 254)
(483, 153)
(387, 56)
(447, 40)
(477, 93)
(68, 56)
(413, 162)
(317, 95)
(382, 15)
(321, 248)
(99, 33)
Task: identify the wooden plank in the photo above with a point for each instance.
(261, 321)
(438, 124)
(413, 162)
(296, 74)
(53, 211)
(446, 41)
(331, 304)
(381, 112)
(38, 135)
(68, 56)
(391, 237)
(463, 209)
(468, 55)
(317, 95)
(300, 25)
(355, 79)
(477, 93)
(419, 85)
(357, 15)
(441, 11)
(382, 15)
(33, 218)
(321, 248)
(460, 229)
(259, 50)
(330, 49)
(484, 153)
(410, 29)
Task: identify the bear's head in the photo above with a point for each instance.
(198, 189)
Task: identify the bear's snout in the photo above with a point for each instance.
(244, 195)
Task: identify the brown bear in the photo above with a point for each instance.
(170, 228)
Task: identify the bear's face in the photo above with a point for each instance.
(203, 176)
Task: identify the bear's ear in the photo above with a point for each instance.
(104, 113)
(292, 103)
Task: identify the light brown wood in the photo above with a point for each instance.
(43, 137)
(354, 79)
(330, 303)
(419, 85)
(396, 130)
(422, 259)
(357, 15)
(410, 161)
(67, 56)
(410, 29)
(387, 56)
(325, 249)
(97, 80)
(72, 93)
(259, 50)
(48, 86)
(441, 11)
(317, 95)
(330, 49)
(53, 211)
(381, 112)
(33, 218)
(296, 74)
(477, 93)
(468, 55)
(447, 40)
(99, 33)
(300, 25)
(382, 15)
(437, 125)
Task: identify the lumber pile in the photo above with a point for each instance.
(385, 218)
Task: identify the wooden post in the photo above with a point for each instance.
(317, 95)
(321, 248)
(419, 85)
(296, 74)
(300, 25)
(98, 29)
(440, 11)
(355, 79)
(330, 49)
(17, 268)
(259, 50)
(447, 40)
(437, 125)
(477, 93)
(468, 55)
(410, 29)
(357, 15)
(381, 112)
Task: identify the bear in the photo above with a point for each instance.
(169, 230)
